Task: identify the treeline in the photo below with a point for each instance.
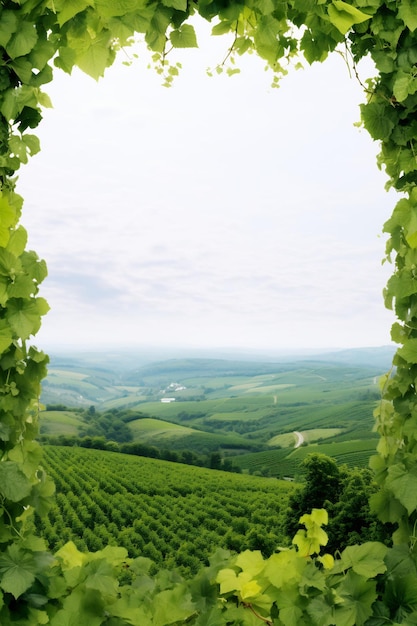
(110, 431)
(214, 460)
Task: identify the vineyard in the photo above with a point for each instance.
(367, 584)
(171, 513)
(286, 463)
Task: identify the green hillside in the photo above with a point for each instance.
(172, 513)
(230, 406)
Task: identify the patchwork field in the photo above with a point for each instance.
(266, 416)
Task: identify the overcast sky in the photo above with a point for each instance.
(218, 213)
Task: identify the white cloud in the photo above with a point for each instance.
(219, 211)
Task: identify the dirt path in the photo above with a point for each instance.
(300, 439)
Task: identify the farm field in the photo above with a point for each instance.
(60, 423)
(171, 513)
(237, 408)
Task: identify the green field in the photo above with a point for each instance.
(231, 406)
(151, 428)
(172, 513)
(59, 423)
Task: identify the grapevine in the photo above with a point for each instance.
(366, 584)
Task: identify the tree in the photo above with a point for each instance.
(36, 35)
(322, 487)
(345, 494)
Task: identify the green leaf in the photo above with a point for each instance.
(321, 612)
(179, 5)
(225, 26)
(344, 16)
(14, 484)
(8, 26)
(5, 431)
(288, 601)
(266, 38)
(33, 266)
(131, 608)
(409, 350)
(71, 556)
(66, 10)
(251, 562)
(407, 12)
(21, 287)
(358, 595)
(405, 85)
(97, 57)
(184, 37)
(403, 483)
(366, 560)
(23, 69)
(28, 455)
(17, 241)
(114, 8)
(172, 605)
(9, 216)
(228, 581)
(23, 40)
(42, 53)
(41, 495)
(284, 568)
(377, 120)
(401, 593)
(29, 118)
(17, 570)
(25, 316)
(101, 576)
(6, 335)
(66, 59)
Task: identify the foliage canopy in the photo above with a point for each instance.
(369, 583)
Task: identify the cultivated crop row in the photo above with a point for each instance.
(174, 514)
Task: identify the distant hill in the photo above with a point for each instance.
(378, 357)
(85, 378)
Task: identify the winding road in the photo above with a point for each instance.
(300, 439)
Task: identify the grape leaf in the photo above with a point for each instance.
(180, 5)
(14, 485)
(184, 37)
(114, 8)
(41, 496)
(377, 119)
(23, 40)
(344, 16)
(66, 10)
(407, 12)
(8, 26)
(403, 483)
(70, 555)
(409, 350)
(366, 559)
(24, 315)
(17, 570)
(100, 576)
(359, 595)
(94, 59)
(172, 605)
(251, 561)
(17, 241)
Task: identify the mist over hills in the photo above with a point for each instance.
(98, 377)
(125, 360)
